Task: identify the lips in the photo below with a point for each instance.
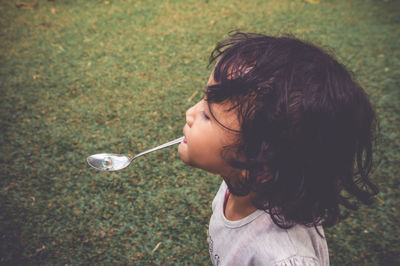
(184, 135)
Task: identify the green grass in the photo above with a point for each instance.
(83, 77)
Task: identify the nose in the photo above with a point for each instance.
(190, 116)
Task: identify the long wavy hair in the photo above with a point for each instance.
(307, 128)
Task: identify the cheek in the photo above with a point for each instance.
(207, 154)
(205, 143)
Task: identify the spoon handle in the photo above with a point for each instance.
(162, 146)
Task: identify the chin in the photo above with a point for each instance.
(183, 154)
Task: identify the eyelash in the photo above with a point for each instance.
(205, 115)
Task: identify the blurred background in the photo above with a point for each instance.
(85, 77)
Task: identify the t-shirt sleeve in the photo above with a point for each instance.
(298, 261)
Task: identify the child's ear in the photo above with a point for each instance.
(267, 178)
(245, 173)
(262, 180)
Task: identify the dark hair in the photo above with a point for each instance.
(307, 129)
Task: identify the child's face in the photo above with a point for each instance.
(205, 138)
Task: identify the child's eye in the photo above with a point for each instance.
(205, 115)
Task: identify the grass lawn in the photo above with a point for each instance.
(84, 77)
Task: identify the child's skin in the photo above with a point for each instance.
(203, 144)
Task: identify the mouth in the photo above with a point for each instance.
(184, 136)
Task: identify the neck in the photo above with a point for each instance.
(239, 207)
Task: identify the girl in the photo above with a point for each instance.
(288, 130)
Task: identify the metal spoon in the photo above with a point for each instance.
(115, 162)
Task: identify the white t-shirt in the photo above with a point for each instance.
(256, 240)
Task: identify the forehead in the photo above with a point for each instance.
(211, 80)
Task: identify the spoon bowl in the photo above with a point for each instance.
(115, 162)
(108, 161)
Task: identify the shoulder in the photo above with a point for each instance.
(310, 243)
(292, 261)
(298, 245)
(298, 260)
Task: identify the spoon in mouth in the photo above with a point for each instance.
(115, 162)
